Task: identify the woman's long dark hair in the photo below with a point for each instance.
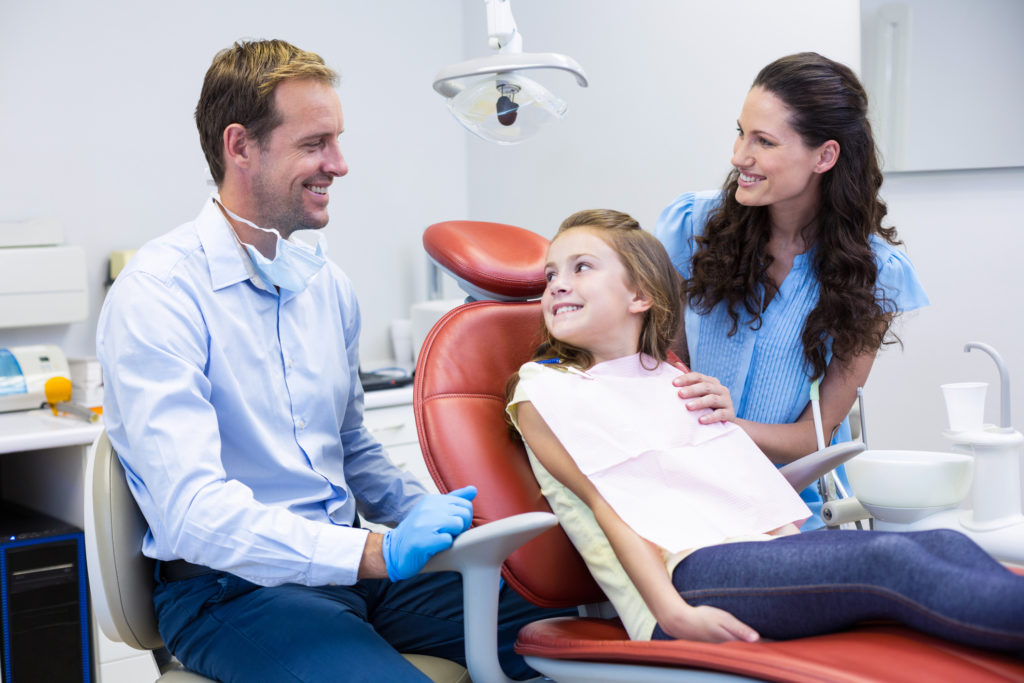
(826, 102)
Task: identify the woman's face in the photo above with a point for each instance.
(776, 168)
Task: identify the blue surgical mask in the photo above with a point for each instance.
(294, 264)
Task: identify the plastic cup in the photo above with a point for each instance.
(965, 405)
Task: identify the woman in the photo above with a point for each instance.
(789, 275)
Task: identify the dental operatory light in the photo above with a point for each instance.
(502, 105)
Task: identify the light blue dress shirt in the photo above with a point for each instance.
(764, 369)
(238, 412)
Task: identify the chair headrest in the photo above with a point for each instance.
(489, 260)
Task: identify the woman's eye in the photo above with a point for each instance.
(766, 143)
(580, 267)
(549, 276)
(739, 131)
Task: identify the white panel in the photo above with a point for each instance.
(42, 286)
(36, 233)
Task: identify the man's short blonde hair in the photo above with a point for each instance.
(239, 88)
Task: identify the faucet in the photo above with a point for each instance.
(1004, 382)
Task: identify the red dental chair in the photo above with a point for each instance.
(459, 402)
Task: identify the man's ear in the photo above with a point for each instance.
(237, 145)
(828, 155)
(641, 302)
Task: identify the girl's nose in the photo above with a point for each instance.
(557, 284)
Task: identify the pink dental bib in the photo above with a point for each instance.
(675, 481)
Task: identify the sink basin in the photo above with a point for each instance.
(910, 479)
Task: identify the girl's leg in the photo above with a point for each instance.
(939, 582)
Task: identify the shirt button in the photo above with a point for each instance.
(301, 424)
(289, 364)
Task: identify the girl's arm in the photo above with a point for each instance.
(783, 443)
(640, 558)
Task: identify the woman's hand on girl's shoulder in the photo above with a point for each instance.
(700, 391)
(706, 624)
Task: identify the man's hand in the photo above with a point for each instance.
(430, 528)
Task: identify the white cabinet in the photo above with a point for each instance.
(389, 417)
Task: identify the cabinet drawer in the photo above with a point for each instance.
(391, 426)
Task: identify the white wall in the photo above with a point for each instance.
(96, 129)
(667, 80)
(965, 233)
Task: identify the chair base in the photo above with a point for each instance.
(880, 652)
(602, 672)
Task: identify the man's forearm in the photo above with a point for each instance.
(372, 566)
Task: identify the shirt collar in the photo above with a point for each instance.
(228, 260)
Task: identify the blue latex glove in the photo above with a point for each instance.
(430, 528)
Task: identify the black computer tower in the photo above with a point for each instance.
(45, 611)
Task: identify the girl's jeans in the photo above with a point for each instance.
(939, 582)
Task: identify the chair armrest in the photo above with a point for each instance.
(803, 472)
(477, 555)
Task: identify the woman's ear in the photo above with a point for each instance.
(828, 155)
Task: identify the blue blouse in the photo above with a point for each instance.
(764, 369)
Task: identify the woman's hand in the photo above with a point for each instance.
(702, 391)
(706, 624)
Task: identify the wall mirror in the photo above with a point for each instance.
(946, 82)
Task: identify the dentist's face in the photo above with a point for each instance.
(776, 167)
(300, 158)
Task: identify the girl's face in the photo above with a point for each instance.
(776, 168)
(589, 301)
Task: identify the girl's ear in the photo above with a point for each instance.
(641, 302)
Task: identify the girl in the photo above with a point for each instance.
(789, 274)
(688, 529)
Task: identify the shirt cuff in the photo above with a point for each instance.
(338, 553)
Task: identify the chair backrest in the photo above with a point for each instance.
(459, 402)
(120, 577)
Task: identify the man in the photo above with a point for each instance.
(230, 356)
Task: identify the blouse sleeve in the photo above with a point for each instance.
(681, 221)
(527, 370)
(897, 278)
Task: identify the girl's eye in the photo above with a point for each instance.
(580, 267)
(549, 276)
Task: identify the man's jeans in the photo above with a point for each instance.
(226, 628)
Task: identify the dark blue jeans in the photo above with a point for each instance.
(939, 582)
(226, 628)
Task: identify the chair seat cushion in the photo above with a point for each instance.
(879, 652)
